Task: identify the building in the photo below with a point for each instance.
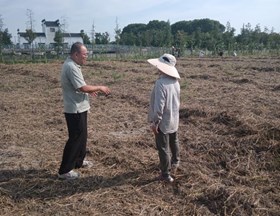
(46, 38)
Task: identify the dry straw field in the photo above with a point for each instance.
(229, 135)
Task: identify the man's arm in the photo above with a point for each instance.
(93, 90)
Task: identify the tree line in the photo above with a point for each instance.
(198, 34)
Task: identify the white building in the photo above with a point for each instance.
(46, 38)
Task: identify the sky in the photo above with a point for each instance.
(107, 14)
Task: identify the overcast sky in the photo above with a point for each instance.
(82, 14)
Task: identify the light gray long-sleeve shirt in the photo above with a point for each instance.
(165, 104)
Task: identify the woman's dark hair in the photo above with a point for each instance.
(76, 47)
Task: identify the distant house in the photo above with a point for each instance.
(46, 38)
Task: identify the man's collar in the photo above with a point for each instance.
(74, 62)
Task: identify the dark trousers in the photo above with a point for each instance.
(168, 151)
(75, 148)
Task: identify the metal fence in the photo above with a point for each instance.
(44, 54)
(13, 54)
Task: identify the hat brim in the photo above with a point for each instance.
(167, 69)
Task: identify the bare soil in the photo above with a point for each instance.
(229, 136)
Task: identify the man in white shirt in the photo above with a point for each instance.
(76, 105)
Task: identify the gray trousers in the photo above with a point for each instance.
(168, 151)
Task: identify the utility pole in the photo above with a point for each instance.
(92, 36)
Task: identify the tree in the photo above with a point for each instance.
(179, 41)
(160, 32)
(200, 33)
(131, 34)
(205, 25)
(5, 37)
(155, 33)
(102, 38)
(29, 36)
(167, 34)
(274, 41)
(58, 39)
(85, 37)
(228, 38)
(128, 38)
(134, 28)
(197, 35)
(245, 38)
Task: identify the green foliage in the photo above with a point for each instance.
(203, 25)
(205, 34)
(180, 39)
(134, 28)
(5, 37)
(198, 34)
(187, 37)
(58, 39)
(251, 40)
(228, 38)
(29, 36)
(155, 33)
(102, 38)
(86, 39)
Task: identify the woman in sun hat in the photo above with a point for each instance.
(164, 114)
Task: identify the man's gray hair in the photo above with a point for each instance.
(76, 47)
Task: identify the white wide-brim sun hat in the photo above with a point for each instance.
(166, 63)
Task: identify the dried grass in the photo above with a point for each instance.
(229, 134)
